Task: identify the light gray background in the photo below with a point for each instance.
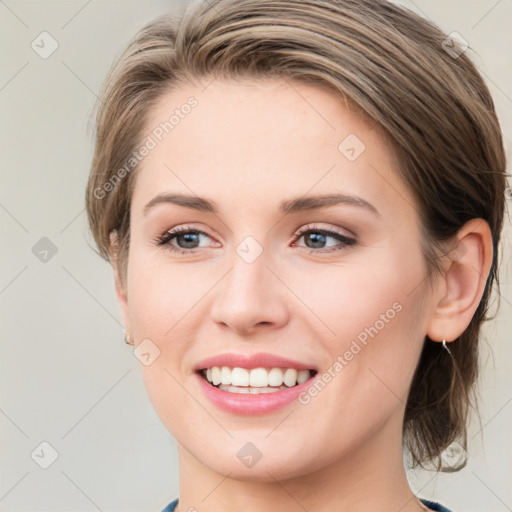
(67, 378)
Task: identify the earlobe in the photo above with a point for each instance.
(463, 283)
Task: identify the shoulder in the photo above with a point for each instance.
(171, 506)
(432, 505)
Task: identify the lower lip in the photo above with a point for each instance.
(249, 404)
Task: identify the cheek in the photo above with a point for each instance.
(163, 303)
(162, 295)
(362, 294)
(376, 320)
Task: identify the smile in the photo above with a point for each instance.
(255, 380)
(259, 392)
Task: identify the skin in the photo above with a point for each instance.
(247, 146)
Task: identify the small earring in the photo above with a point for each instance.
(127, 338)
(446, 348)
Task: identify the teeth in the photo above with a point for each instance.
(303, 376)
(290, 377)
(215, 375)
(275, 377)
(258, 378)
(226, 377)
(239, 376)
(250, 391)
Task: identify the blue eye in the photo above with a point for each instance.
(318, 238)
(188, 240)
(186, 236)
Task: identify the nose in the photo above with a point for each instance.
(250, 298)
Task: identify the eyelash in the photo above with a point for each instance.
(166, 238)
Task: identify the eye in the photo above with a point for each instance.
(187, 239)
(317, 239)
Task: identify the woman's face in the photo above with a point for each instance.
(350, 303)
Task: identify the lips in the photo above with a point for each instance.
(250, 404)
(247, 403)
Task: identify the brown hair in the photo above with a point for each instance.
(401, 71)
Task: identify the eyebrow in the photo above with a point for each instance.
(298, 204)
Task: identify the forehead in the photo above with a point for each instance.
(263, 139)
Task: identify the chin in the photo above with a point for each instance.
(264, 472)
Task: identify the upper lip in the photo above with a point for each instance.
(258, 360)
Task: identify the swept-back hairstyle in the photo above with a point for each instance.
(397, 68)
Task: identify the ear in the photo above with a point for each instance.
(463, 283)
(121, 292)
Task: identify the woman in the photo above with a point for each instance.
(302, 203)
